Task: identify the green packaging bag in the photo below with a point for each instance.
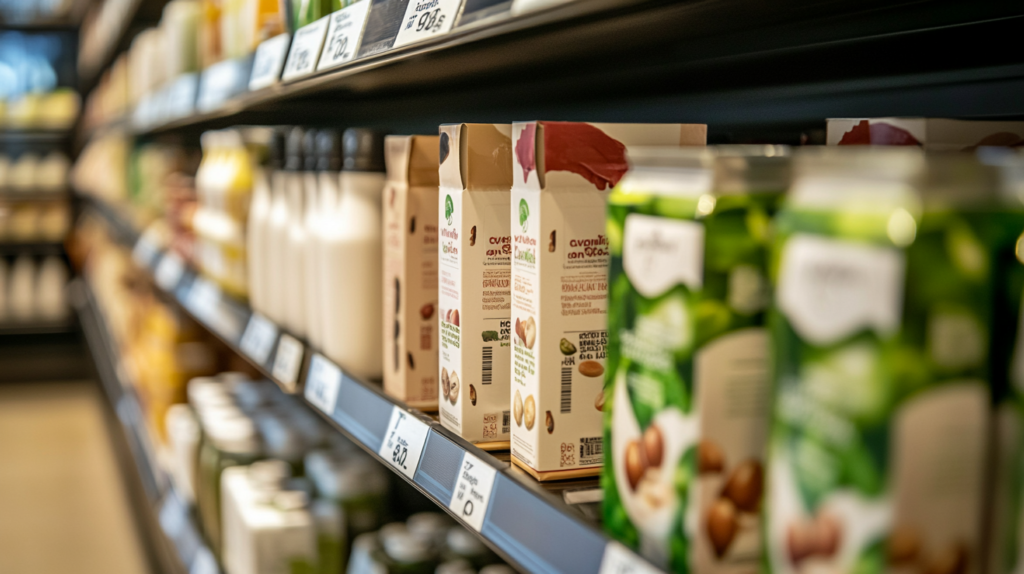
(687, 388)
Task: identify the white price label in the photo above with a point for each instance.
(343, 35)
(473, 491)
(404, 442)
(220, 82)
(269, 60)
(620, 560)
(305, 51)
(173, 515)
(322, 384)
(258, 338)
(169, 270)
(204, 300)
(288, 361)
(145, 252)
(204, 562)
(182, 96)
(426, 19)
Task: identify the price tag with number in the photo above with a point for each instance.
(182, 96)
(426, 19)
(287, 361)
(473, 491)
(343, 35)
(619, 560)
(204, 300)
(258, 338)
(322, 384)
(269, 60)
(404, 442)
(305, 50)
(169, 271)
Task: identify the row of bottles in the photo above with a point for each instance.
(33, 289)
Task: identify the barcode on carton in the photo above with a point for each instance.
(488, 362)
(591, 450)
(504, 422)
(566, 402)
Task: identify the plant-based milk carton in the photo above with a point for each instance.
(410, 270)
(880, 339)
(687, 405)
(474, 257)
(560, 252)
(930, 133)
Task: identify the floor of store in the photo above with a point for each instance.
(63, 501)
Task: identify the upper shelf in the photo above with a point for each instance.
(528, 523)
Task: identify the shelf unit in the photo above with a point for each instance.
(528, 523)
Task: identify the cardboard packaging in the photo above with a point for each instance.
(933, 134)
(410, 270)
(562, 174)
(687, 363)
(475, 274)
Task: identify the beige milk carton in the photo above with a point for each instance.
(474, 259)
(562, 174)
(410, 270)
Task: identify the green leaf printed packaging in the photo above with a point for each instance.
(562, 175)
(687, 404)
(882, 274)
(474, 256)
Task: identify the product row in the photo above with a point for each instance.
(46, 110)
(31, 173)
(32, 289)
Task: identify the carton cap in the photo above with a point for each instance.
(363, 150)
(476, 157)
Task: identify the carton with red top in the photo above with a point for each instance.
(930, 133)
(562, 174)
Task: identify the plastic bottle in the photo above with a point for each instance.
(53, 276)
(295, 254)
(329, 160)
(277, 236)
(183, 441)
(258, 231)
(23, 288)
(311, 220)
(352, 258)
(233, 442)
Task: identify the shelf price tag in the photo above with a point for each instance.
(322, 384)
(287, 361)
(305, 50)
(343, 35)
(269, 60)
(181, 96)
(173, 516)
(426, 19)
(145, 252)
(404, 442)
(203, 300)
(169, 271)
(258, 338)
(473, 491)
(204, 562)
(620, 560)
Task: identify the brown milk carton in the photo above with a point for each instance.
(934, 134)
(410, 270)
(474, 282)
(560, 254)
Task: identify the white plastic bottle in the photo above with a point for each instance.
(277, 235)
(311, 222)
(328, 165)
(23, 286)
(295, 253)
(353, 258)
(53, 277)
(257, 229)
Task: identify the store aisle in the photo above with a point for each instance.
(63, 506)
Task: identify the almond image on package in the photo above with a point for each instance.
(410, 270)
(474, 281)
(562, 174)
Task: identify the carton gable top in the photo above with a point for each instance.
(930, 133)
(476, 157)
(412, 160)
(565, 155)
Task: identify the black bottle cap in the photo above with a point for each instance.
(293, 150)
(276, 149)
(309, 150)
(328, 151)
(363, 150)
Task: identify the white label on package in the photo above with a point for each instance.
(305, 51)
(169, 270)
(426, 19)
(343, 35)
(258, 338)
(658, 253)
(288, 361)
(619, 560)
(269, 60)
(403, 442)
(473, 491)
(322, 384)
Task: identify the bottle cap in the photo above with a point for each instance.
(293, 150)
(328, 151)
(363, 150)
(277, 149)
(309, 150)
(291, 500)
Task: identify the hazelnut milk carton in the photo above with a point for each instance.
(410, 270)
(560, 254)
(474, 258)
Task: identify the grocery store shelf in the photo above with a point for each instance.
(139, 15)
(12, 136)
(171, 531)
(36, 327)
(528, 523)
